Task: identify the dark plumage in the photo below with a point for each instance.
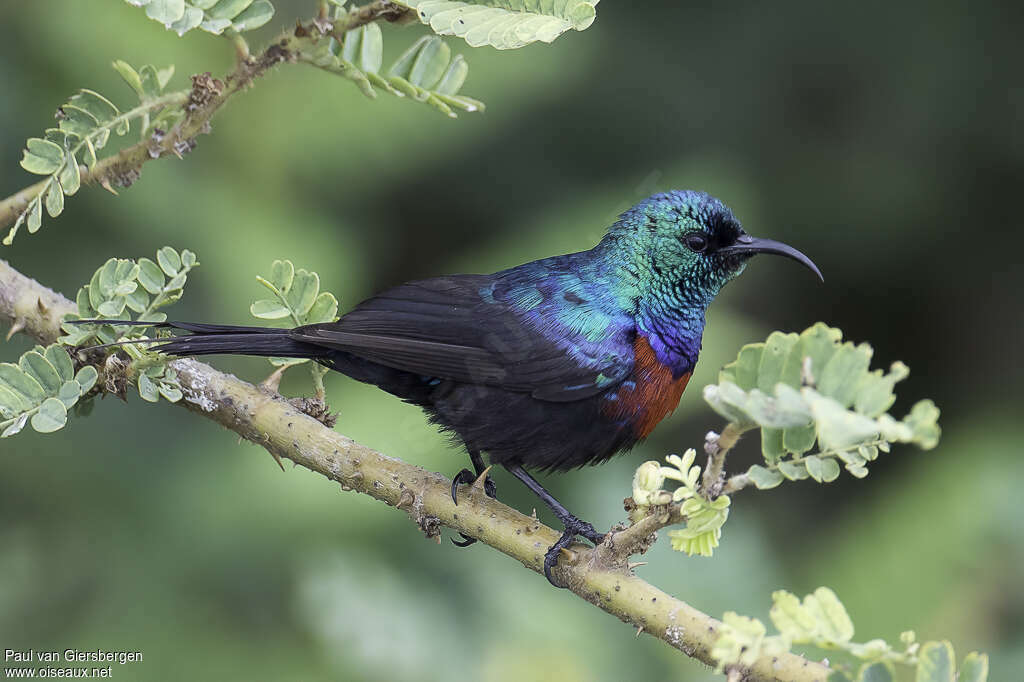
(549, 365)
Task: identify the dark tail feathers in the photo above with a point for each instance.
(224, 339)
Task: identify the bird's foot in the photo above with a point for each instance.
(573, 527)
(469, 478)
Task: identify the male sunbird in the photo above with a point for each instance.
(549, 365)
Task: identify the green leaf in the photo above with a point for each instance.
(12, 402)
(89, 155)
(73, 120)
(875, 392)
(86, 377)
(771, 444)
(403, 65)
(974, 668)
(58, 357)
(124, 287)
(137, 301)
(51, 416)
(743, 370)
(936, 663)
(170, 392)
(170, 261)
(35, 216)
(875, 672)
(763, 478)
(829, 470)
(834, 623)
(148, 390)
(15, 426)
(426, 64)
(266, 309)
(215, 26)
(282, 273)
(111, 308)
(55, 199)
(816, 467)
(430, 64)
(325, 309)
(923, 422)
(454, 77)
(41, 157)
(791, 618)
(40, 369)
(70, 175)
(728, 400)
(839, 429)
(192, 18)
(368, 46)
(151, 277)
(818, 343)
(130, 76)
(256, 15)
(150, 82)
(227, 9)
(504, 24)
(303, 292)
(15, 379)
(794, 471)
(165, 11)
(69, 393)
(773, 359)
(841, 376)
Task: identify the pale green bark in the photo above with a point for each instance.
(268, 420)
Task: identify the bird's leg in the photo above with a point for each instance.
(573, 525)
(466, 476)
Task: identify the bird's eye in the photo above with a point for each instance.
(696, 242)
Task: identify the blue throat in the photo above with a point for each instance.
(675, 334)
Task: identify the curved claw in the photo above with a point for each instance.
(468, 477)
(466, 541)
(464, 476)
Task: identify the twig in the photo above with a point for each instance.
(205, 99)
(270, 421)
(717, 447)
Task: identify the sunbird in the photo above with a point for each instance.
(550, 365)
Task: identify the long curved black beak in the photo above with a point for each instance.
(746, 245)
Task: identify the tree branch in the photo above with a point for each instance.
(273, 423)
(205, 99)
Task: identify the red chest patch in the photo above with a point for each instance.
(655, 395)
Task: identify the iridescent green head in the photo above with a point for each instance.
(684, 246)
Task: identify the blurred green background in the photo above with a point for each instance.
(883, 139)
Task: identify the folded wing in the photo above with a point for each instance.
(455, 328)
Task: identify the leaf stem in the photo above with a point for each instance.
(738, 482)
(241, 46)
(717, 446)
(14, 207)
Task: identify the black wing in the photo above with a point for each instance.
(446, 328)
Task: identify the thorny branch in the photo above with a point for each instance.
(203, 101)
(599, 575)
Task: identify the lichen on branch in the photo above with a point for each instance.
(275, 424)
